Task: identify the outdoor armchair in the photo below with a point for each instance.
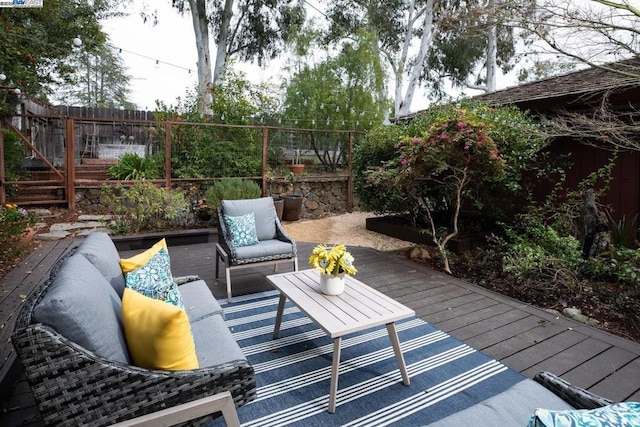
(249, 235)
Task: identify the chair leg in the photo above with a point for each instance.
(228, 277)
(295, 264)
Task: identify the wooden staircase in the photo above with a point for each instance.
(49, 189)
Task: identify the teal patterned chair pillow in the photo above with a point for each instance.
(242, 230)
(625, 414)
(154, 280)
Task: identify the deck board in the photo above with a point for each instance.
(521, 336)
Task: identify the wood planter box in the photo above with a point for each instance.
(398, 228)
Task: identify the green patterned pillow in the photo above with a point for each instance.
(242, 230)
(625, 414)
(154, 280)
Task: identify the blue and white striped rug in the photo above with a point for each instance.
(293, 372)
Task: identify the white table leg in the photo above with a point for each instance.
(276, 329)
(393, 336)
(334, 374)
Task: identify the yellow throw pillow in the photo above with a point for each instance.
(137, 261)
(158, 334)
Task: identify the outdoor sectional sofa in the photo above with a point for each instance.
(71, 342)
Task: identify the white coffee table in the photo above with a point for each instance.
(360, 307)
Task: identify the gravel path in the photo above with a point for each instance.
(349, 229)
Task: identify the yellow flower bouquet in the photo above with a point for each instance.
(332, 260)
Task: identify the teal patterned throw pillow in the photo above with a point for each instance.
(154, 280)
(624, 414)
(242, 230)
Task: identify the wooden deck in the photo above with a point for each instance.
(522, 337)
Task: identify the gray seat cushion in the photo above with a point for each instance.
(266, 248)
(84, 308)
(214, 343)
(513, 407)
(99, 249)
(198, 301)
(264, 212)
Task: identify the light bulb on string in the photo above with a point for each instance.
(17, 91)
(77, 41)
(3, 77)
(157, 64)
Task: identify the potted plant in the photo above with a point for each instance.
(296, 166)
(333, 263)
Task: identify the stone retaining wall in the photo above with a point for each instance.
(322, 196)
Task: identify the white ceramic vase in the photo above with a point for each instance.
(332, 285)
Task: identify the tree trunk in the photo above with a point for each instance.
(201, 30)
(492, 57)
(428, 31)
(221, 53)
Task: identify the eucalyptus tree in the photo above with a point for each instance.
(475, 40)
(246, 29)
(37, 44)
(425, 39)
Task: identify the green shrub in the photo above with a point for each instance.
(147, 207)
(131, 166)
(620, 266)
(14, 223)
(13, 155)
(536, 249)
(230, 189)
(377, 148)
(623, 232)
(518, 139)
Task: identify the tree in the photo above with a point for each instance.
(454, 152)
(38, 43)
(473, 43)
(341, 92)
(246, 29)
(99, 82)
(426, 40)
(593, 32)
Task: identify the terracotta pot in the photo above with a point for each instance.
(297, 169)
(26, 238)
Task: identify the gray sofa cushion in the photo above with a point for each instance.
(263, 249)
(263, 209)
(198, 301)
(214, 343)
(99, 249)
(83, 307)
(513, 407)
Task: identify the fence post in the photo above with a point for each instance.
(265, 145)
(3, 195)
(350, 175)
(70, 163)
(167, 154)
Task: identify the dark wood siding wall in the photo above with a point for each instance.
(623, 196)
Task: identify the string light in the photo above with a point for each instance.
(157, 62)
